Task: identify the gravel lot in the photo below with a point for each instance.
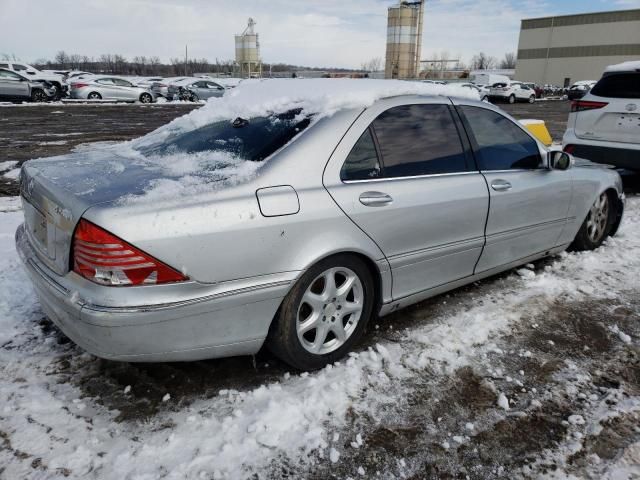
(531, 374)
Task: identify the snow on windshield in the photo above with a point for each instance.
(193, 171)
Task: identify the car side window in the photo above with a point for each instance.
(19, 67)
(122, 83)
(499, 143)
(419, 140)
(9, 76)
(213, 85)
(362, 163)
(105, 81)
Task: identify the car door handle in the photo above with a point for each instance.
(500, 185)
(375, 199)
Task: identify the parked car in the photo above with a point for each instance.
(604, 125)
(161, 87)
(55, 80)
(299, 249)
(194, 89)
(97, 87)
(512, 92)
(146, 82)
(482, 90)
(16, 87)
(580, 89)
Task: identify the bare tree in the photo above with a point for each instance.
(509, 60)
(61, 59)
(482, 61)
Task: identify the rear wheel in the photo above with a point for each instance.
(597, 226)
(195, 97)
(532, 99)
(94, 96)
(512, 99)
(38, 96)
(324, 314)
(146, 98)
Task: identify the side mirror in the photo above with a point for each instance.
(559, 160)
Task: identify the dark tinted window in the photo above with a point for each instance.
(253, 139)
(499, 143)
(362, 162)
(618, 85)
(419, 140)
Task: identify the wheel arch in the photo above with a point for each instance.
(619, 209)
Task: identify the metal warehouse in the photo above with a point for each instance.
(564, 49)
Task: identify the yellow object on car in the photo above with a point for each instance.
(539, 129)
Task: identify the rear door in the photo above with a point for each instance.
(404, 175)
(611, 110)
(529, 203)
(13, 85)
(107, 88)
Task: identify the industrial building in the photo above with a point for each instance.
(248, 52)
(404, 39)
(562, 50)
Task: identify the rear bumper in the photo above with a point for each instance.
(621, 155)
(228, 323)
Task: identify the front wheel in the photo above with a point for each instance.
(512, 99)
(94, 96)
(324, 314)
(532, 99)
(38, 96)
(597, 226)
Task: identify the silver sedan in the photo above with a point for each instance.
(109, 88)
(355, 214)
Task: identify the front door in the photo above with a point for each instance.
(529, 203)
(407, 181)
(13, 85)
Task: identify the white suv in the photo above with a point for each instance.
(32, 73)
(604, 125)
(512, 92)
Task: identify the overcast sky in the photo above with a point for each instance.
(336, 33)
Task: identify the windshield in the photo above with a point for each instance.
(247, 139)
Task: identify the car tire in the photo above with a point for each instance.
(512, 99)
(532, 99)
(146, 98)
(311, 328)
(94, 96)
(38, 96)
(194, 97)
(598, 224)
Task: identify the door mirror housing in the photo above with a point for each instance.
(559, 160)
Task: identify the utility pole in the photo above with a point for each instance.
(185, 60)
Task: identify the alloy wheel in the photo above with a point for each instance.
(330, 310)
(598, 218)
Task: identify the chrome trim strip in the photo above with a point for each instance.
(516, 232)
(384, 179)
(192, 301)
(455, 247)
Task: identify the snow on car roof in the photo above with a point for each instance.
(631, 66)
(320, 97)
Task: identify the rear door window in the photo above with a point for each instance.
(419, 140)
(362, 163)
(618, 85)
(498, 143)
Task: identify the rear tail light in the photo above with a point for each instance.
(79, 85)
(106, 259)
(582, 105)
(569, 148)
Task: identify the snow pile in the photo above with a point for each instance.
(322, 97)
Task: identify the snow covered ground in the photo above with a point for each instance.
(532, 374)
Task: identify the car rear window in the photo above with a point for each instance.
(618, 85)
(251, 139)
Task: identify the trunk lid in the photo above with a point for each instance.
(57, 191)
(619, 119)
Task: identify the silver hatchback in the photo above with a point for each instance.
(297, 225)
(109, 88)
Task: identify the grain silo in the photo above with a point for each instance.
(248, 52)
(404, 39)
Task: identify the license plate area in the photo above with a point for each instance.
(40, 230)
